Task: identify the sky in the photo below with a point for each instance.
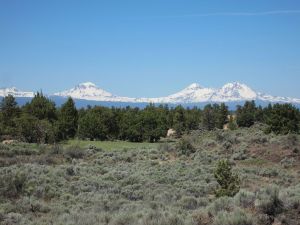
(150, 48)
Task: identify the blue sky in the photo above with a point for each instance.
(150, 48)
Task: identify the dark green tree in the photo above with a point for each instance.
(9, 111)
(32, 130)
(222, 116)
(42, 108)
(95, 123)
(153, 123)
(131, 127)
(179, 120)
(68, 119)
(283, 119)
(209, 117)
(193, 118)
(246, 114)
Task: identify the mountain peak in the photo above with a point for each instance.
(234, 84)
(194, 86)
(234, 91)
(87, 84)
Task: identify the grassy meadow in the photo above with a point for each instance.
(110, 145)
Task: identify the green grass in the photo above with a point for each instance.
(111, 145)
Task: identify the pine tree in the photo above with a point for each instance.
(42, 108)
(222, 116)
(68, 119)
(179, 120)
(209, 117)
(9, 110)
(246, 114)
(283, 119)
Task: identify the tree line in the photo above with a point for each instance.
(40, 121)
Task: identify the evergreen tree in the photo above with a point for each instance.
(95, 124)
(193, 118)
(179, 120)
(68, 119)
(32, 130)
(229, 182)
(42, 108)
(9, 111)
(222, 116)
(153, 123)
(209, 117)
(283, 119)
(246, 114)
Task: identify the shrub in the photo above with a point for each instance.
(268, 201)
(189, 203)
(229, 182)
(165, 147)
(123, 219)
(185, 147)
(12, 185)
(70, 171)
(74, 152)
(202, 218)
(221, 204)
(244, 199)
(56, 149)
(237, 217)
(291, 197)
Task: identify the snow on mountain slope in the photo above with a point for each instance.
(233, 92)
(90, 91)
(15, 92)
(270, 98)
(194, 93)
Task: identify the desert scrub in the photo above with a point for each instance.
(244, 199)
(237, 217)
(290, 197)
(185, 147)
(220, 205)
(188, 203)
(12, 184)
(268, 201)
(74, 152)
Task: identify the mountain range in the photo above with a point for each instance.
(194, 93)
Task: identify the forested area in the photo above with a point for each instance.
(40, 121)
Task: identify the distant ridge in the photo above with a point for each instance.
(194, 93)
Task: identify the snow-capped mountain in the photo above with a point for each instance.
(89, 91)
(15, 92)
(233, 92)
(194, 93)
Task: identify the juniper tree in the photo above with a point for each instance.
(229, 182)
